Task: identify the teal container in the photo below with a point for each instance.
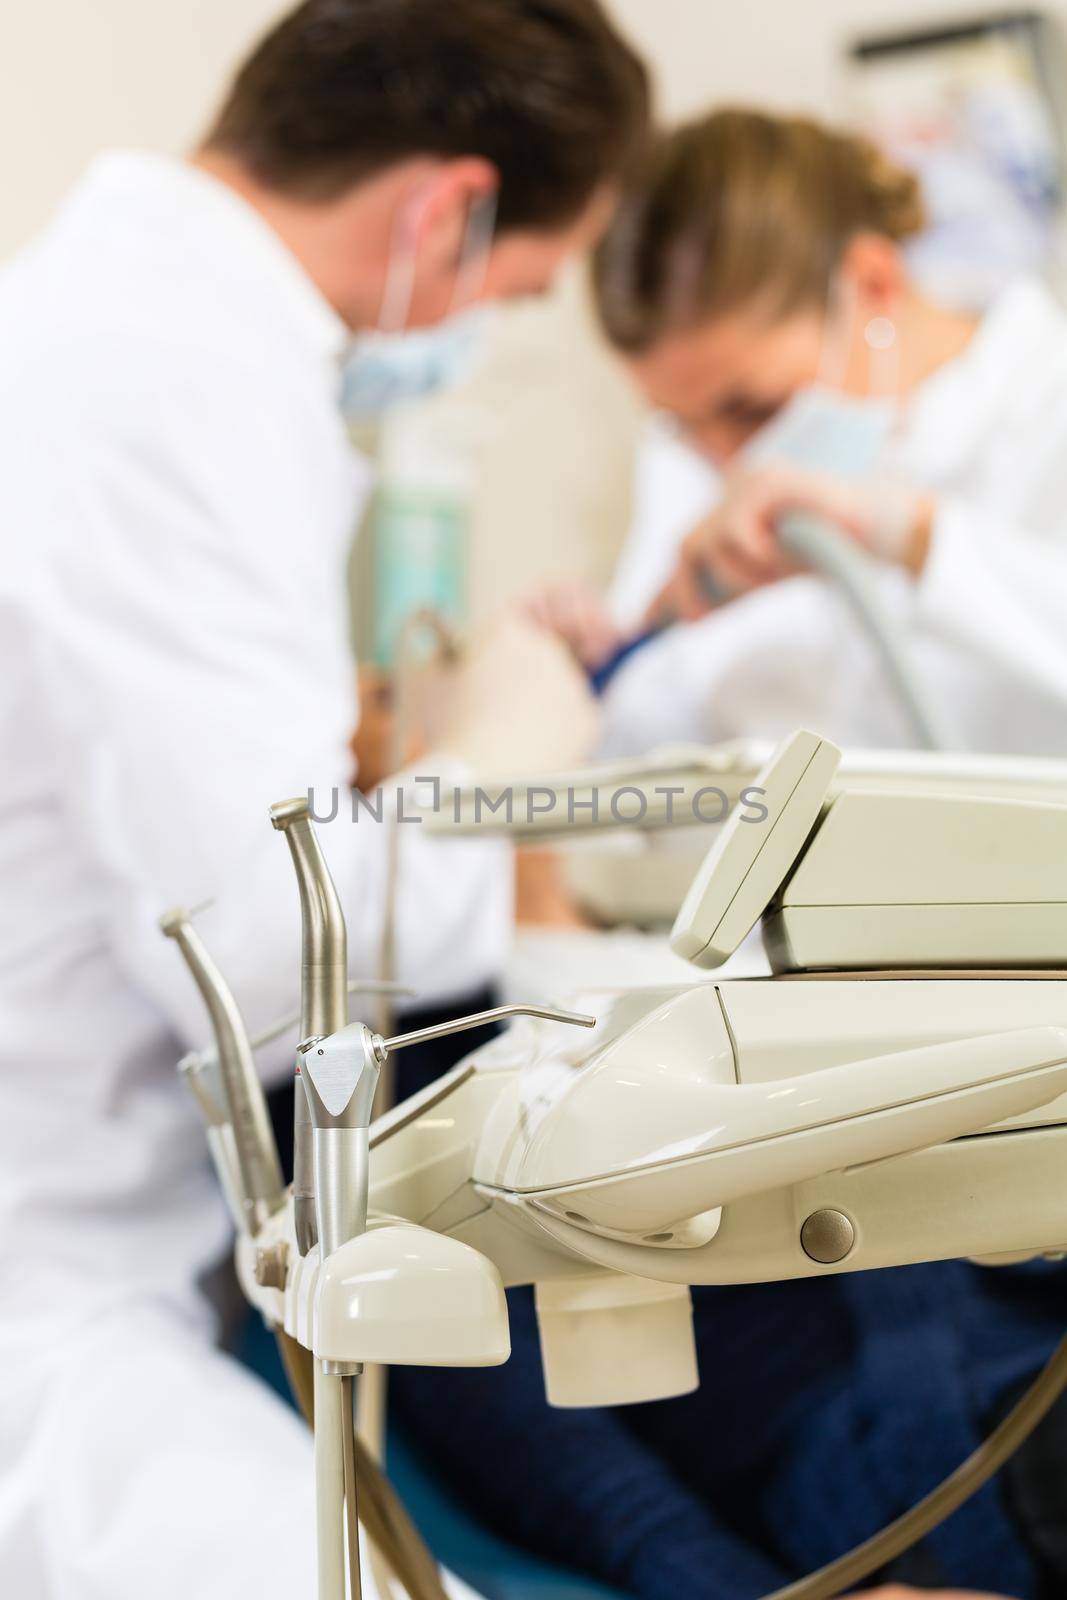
(420, 535)
(421, 520)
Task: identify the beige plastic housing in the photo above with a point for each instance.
(914, 880)
(665, 1124)
(552, 1156)
(863, 880)
(613, 1340)
(397, 1295)
(692, 1136)
(745, 866)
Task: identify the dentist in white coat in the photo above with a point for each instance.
(177, 497)
(773, 320)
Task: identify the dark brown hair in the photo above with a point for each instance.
(742, 209)
(546, 90)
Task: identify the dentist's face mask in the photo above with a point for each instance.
(390, 366)
(821, 428)
(387, 369)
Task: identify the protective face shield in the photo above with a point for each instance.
(390, 366)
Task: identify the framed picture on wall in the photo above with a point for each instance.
(977, 110)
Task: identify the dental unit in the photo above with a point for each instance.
(893, 1091)
(629, 862)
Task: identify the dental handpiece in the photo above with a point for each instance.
(323, 1008)
(341, 1074)
(207, 1059)
(250, 1146)
(199, 1071)
(323, 991)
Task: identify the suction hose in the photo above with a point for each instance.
(820, 546)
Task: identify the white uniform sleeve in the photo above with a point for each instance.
(197, 641)
(1000, 592)
(674, 488)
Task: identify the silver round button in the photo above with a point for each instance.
(827, 1236)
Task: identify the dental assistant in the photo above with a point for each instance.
(177, 498)
(756, 282)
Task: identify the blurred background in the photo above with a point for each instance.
(973, 98)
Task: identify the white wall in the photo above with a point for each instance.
(783, 53)
(79, 75)
(82, 74)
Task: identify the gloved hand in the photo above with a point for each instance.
(518, 703)
(576, 612)
(737, 544)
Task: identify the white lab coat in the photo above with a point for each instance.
(177, 497)
(985, 624)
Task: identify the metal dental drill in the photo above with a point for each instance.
(200, 1071)
(324, 991)
(337, 1064)
(340, 1075)
(202, 1078)
(203, 1064)
(323, 1010)
(337, 1074)
(239, 1130)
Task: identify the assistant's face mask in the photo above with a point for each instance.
(823, 429)
(390, 365)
